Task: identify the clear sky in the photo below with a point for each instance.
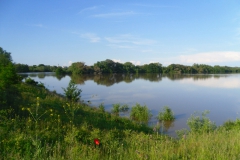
(58, 32)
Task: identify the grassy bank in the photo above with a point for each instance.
(45, 125)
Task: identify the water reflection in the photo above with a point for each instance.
(213, 80)
(167, 125)
(111, 79)
(41, 75)
(184, 94)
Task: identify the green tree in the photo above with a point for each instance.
(77, 68)
(8, 78)
(129, 67)
(60, 71)
(72, 92)
(8, 75)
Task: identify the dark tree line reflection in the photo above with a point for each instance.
(110, 79)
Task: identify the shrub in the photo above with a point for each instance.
(72, 92)
(117, 108)
(31, 81)
(201, 123)
(228, 125)
(140, 113)
(101, 107)
(166, 114)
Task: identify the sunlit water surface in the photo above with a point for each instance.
(184, 94)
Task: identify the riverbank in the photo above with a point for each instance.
(44, 125)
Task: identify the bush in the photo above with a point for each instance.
(117, 108)
(34, 83)
(72, 92)
(229, 125)
(166, 114)
(140, 113)
(31, 82)
(201, 123)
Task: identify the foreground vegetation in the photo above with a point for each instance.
(38, 124)
(48, 126)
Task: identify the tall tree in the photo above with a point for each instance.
(8, 77)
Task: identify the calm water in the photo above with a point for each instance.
(184, 94)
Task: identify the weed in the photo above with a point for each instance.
(140, 113)
(199, 124)
(166, 114)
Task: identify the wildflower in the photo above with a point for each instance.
(50, 110)
(28, 109)
(51, 114)
(23, 109)
(96, 141)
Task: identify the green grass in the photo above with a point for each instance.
(40, 129)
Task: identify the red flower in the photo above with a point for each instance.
(96, 141)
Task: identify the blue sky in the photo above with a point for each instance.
(59, 32)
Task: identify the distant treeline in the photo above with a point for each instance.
(109, 66)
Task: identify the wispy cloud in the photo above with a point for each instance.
(133, 62)
(147, 51)
(136, 62)
(210, 57)
(114, 14)
(117, 60)
(129, 39)
(91, 36)
(89, 9)
(121, 46)
(154, 6)
(37, 25)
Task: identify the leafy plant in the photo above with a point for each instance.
(140, 113)
(166, 114)
(201, 123)
(72, 92)
(117, 108)
(101, 107)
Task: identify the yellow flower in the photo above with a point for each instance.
(23, 108)
(51, 114)
(51, 110)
